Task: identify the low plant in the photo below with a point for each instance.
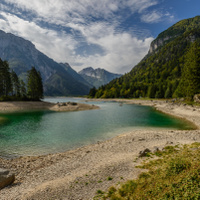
(175, 175)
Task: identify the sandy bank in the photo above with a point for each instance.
(78, 174)
(18, 106)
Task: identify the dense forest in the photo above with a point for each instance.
(172, 70)
(12, 88)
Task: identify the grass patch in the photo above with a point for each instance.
(100, 192)
(174, 175)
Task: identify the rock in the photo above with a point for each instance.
(144, 152)
(156, 149)
(197, 98)
(169, 142)
(141, 139)
(72, 103)
(6, 178)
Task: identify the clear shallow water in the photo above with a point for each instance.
(36, 133)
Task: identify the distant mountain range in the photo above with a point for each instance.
(59, 79)
(98, 77)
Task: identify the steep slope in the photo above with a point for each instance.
(174, 31)
(21, 55)
(158, 75)
(97, 77)
(75, 75)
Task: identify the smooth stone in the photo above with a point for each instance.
(6, 178)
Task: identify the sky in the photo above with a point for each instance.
(110, 34)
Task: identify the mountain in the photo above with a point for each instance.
(168, 70)
(75, 75)
(175, 31)
(98, 77)
(21, 55)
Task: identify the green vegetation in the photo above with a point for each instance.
(109, 178)
(34, 86)
(172, 70)
(12, 88)
(174, 175)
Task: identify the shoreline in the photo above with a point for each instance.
(79, 173)
(26, 106)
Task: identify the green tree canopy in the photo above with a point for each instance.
(34, 85)
(15, 84)
(5, 79)
(190, 80)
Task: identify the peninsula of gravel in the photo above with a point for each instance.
(21, 106)
(80, 173)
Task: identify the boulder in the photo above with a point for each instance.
(6, 178)
(144, 152)
(197, 98)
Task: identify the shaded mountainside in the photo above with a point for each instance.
(75, 75)
(161, 73)
(98, 77)
(21, 55)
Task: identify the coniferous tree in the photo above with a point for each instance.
(5, 80)
(22, 89)
(92, 92)
(15, 84)
(34, 85)
(190, 81)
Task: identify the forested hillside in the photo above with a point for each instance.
(171, 69)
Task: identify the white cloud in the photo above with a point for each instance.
(153, 17)
(123, 51)
(56, 45)
(62, 11)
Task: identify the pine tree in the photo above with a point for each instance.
(22, 89)
(5, 79)
(15, 84)
(92, 92)
(34, 86)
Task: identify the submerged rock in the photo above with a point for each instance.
(6, 178)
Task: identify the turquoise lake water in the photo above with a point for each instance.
(37, 133)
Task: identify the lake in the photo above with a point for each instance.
(38, 133)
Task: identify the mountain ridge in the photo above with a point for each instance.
(160, 73)
(97, 77)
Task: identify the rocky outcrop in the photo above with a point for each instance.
(158, 43)
(6, 178)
